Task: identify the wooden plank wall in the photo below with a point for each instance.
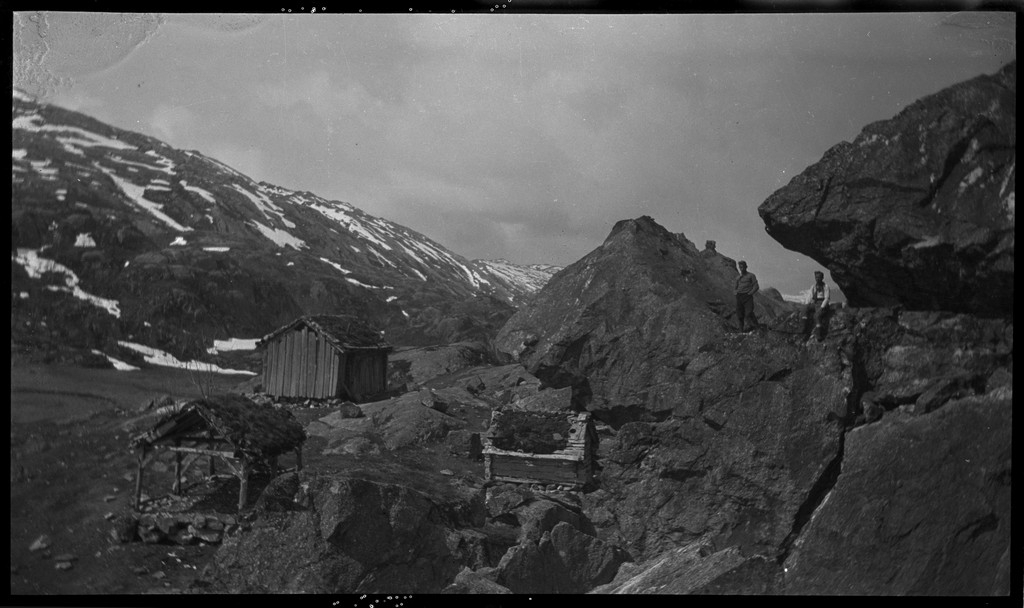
(300, 363)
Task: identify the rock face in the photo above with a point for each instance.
(922, 507)
(919, 210)
(766, 479)
(621, 325)
(758, 426)
(356, 536)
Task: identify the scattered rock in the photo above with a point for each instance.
(40, 543)
(279, 495)
(447, 472)
(469, 582)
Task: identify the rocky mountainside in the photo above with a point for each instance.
(873, 461)
(117, 235)
(918, 210)
(622, 324)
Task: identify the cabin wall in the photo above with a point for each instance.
(365, 374)
(301, 363)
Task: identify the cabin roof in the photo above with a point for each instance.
(257, 431)
(341, 331)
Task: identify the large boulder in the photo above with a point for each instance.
(760, 426)
(621, 325)
(922, 507)
(564, 560)
(919, 210)
(769, 460)
(357, 536)
(693, 569)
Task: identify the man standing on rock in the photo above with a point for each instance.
(746, 287)
(816, 304)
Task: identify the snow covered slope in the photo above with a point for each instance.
(186, 244)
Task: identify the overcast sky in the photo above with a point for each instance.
(516, 136)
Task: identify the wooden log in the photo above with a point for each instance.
(278, 365)
(318, 381)
(138, 477)
(296, 370)
(311, 365)
(336, 361)
(206, 451)
(243, 486)
(268, 368)
(303, 356)
(176, 486)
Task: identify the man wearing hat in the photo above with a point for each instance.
(816, 303)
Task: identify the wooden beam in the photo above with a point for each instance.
(205, 451)
(243, 486)
(311, 364)
(176, 486)
(295, 366)
(138, 477)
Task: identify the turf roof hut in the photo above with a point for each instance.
(229, 427)
(325, 356)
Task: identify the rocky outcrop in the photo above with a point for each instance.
(758, 426)
(919, 210)
(412, 367)
(922, 507)
(354, 536)
(563, 560)
(693, 569)
(768, 480)
(621, 325)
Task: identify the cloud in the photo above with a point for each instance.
(172, 124)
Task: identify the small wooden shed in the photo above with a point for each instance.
(514, 449)
(325, 356)
(230, 427)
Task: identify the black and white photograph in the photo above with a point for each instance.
(512, 300)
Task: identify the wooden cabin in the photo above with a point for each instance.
(510, 456)
(238, 431)
(325, 356)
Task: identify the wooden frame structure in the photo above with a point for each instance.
(232, 428)
(572, 466)
(325, 356)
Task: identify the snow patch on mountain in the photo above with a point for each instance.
(85, 139)
(37, 266)
(135, 195)
(158, 357)
(264, 204)
(231, 344)
(336, 265)
(196, 189)
(117, 363)
(282, 238)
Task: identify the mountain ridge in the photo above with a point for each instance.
(234, 257)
